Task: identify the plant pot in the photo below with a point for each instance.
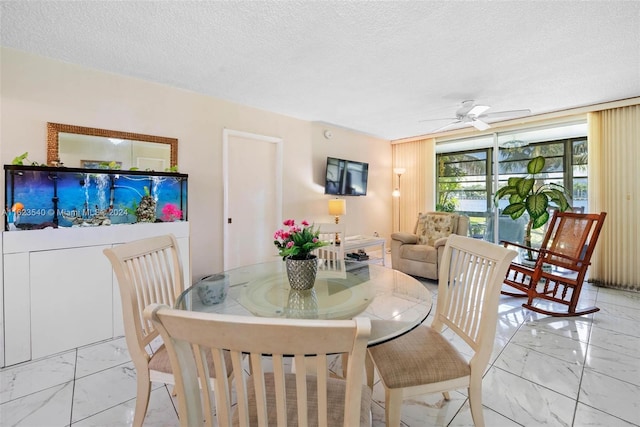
(302, 272)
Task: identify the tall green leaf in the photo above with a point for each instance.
(535, 165)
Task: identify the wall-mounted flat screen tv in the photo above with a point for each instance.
(346, 177)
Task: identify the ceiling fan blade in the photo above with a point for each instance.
(437, 120)
(445, 127)
(477, 110)
(501, 114)
(479, 124)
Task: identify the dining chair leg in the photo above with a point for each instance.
(369, 370)
(142, 397)
(393, 407)
(475, 404)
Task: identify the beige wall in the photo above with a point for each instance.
(37, 90)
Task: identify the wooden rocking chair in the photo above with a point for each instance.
(560, 265)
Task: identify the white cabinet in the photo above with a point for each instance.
(59, 288)
(70, 310)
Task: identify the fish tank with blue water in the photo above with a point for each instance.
(38, 197)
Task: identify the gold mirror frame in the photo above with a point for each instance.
(53, 145)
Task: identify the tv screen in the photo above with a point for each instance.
(346, 177)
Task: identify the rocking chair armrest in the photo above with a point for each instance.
(506, 243)
(577, 261)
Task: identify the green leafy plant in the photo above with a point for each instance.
(21, 159)
(297, 242)
(525, 196)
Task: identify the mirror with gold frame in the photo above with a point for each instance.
(84, 147)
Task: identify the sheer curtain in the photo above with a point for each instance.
(417, 184)
(614, 187)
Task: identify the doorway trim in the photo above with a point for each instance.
(226, 134)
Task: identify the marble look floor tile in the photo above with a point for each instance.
(615, 341)
(554, 345)
(160, 413)
(577, 328)
(21, 380)
(50, 407)
(103, 390)
(620, 311)
(525, 402)
(491, 418)
(618, 297)
(616, 324)
(610, 395)
(557, 375)
(614, 364)
(426, 410)
(101, 356)
(587, 416)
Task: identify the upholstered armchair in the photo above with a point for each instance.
(419, 254)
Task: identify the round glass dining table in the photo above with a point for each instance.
(395, 302)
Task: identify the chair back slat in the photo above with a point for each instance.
(469, 286)
(332, 255)
(148, 271)
(269, 393)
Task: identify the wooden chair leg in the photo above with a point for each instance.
(475, 402)
(393, 407)
(142, 397)
(369, 370)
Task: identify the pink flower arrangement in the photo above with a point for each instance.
(170, 213)
(297, 242)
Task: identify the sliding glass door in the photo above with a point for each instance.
(471, 169)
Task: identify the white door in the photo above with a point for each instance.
(252, 168)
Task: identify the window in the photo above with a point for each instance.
(465, 180)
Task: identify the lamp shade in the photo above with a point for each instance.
(399, 171)
(337, 207)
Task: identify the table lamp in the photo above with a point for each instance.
(337, 207)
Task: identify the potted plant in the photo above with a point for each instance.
(295, 246)
(526, 196)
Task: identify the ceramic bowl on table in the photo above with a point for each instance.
(213, 289)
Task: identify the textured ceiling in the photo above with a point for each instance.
(376, 67)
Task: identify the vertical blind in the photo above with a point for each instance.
(614, 187)
(417, 184)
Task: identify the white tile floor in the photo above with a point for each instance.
(579, 371)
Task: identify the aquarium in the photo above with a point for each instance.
(39, 196)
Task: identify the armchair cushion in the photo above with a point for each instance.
(432, 226)
(421, 253)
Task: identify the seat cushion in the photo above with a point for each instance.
(336, 389)
(433, 225)
(422, 356)
(420, 253)
(160, 361)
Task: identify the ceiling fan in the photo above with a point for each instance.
(474, 115)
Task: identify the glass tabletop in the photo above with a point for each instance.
(394, 301)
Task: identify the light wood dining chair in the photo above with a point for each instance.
(423, 361)
(331, 256)
(148, 271)
(308, 396)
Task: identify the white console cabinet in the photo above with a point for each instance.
(59, 289)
